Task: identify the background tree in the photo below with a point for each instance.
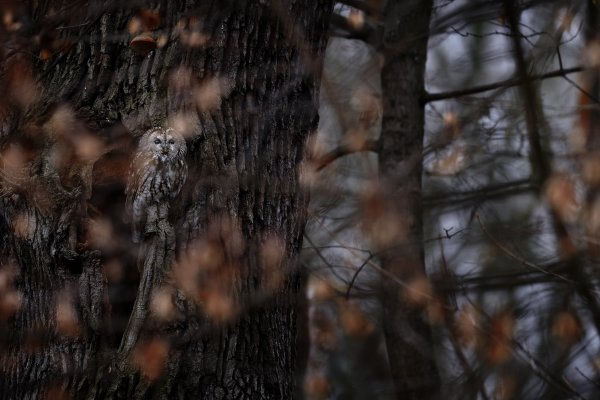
(362, 222)
(508, 196)
(523, 302)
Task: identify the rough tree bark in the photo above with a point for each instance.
(78, 92)
(407, 334)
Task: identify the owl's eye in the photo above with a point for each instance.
(157, 141)
(171, 141)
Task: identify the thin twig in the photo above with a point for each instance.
(343, 150)
(379, 270)
(518, 350)
(450, 300)
(516, 257)
(486, 192)
(511, 82)
(543, 372)
(351, 284)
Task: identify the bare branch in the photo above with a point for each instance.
(485, 193)
(343, 150)
(515, 257)
(512, 82)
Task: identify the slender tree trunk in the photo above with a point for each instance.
(590, 125)
(240, 79)
(407, 334)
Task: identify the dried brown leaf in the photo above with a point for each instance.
(10, 303)
(67, 320)
(561, 194)
(567, 327)
(150, 357)
(162, 305)
(354, 321)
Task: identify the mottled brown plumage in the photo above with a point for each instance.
(157, 174)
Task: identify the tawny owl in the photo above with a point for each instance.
(157, 174)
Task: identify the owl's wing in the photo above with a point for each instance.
(140, 171)
(139, 193)
(181, 176)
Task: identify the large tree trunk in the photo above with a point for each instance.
(240, 79)
(407, 333)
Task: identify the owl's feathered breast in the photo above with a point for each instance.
(154, 179)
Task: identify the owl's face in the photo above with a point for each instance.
(165, 145)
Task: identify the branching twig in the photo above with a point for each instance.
(343, 150)
(512, 82)
(518, 350)
(450, 300)
(516, 257)
(351, 284)
(488, 192)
